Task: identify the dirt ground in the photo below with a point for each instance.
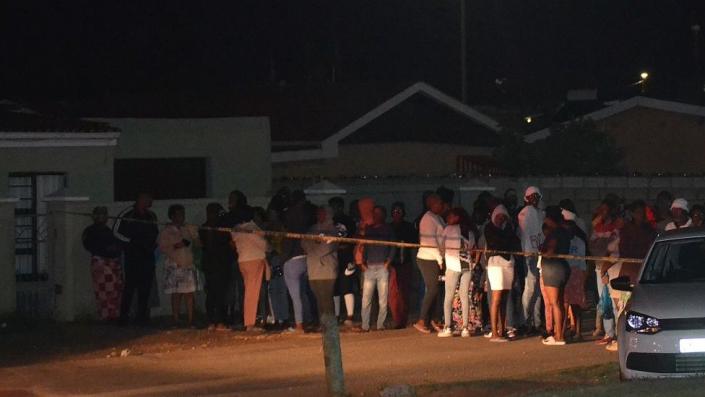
(85, 359)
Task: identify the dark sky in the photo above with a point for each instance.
(81, 49)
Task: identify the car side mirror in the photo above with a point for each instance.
(622, 284)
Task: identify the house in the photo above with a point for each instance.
(48, 159)
(656, 136)
(418, 131)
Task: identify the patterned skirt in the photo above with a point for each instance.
(179, 280)
(107, 284)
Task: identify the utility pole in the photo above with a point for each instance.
(463, 45)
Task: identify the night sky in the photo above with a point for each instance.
(56, 51)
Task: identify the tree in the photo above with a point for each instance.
(577, 148)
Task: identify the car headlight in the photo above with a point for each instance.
(642, 324)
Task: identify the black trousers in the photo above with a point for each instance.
(323, 290)
(138, 278)
(429, 272)
(217, 285)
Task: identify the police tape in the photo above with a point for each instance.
(362, 241)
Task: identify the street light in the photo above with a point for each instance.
(644, 75)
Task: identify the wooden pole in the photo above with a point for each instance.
(332, 356)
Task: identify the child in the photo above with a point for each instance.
(175, 243)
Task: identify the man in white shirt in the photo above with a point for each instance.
(679, 214)
(531, 236)
(430, 259)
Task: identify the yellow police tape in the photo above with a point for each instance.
(352, 240)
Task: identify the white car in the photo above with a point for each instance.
(661, 331)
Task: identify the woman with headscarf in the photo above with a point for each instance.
(555, 272)
(106, 272)
(500, 236)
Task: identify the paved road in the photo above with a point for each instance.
(293, 365)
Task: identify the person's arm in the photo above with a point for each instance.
(87, 240)
(392, 250)
(123, 227)
(438, 235)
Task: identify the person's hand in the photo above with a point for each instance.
(605, 279)
(387, 263)
(440, 265)
(363, 267)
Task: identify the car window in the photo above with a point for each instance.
(679, 261)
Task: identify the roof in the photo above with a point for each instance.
(419, 113)
(297, 114)
(619, 107)
(19, 119)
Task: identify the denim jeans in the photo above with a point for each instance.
(531, 298)
(452, 279)
(296, 278)
(375, 277)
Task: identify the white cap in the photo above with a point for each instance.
(532, 190)
(568, 215)
(680, 203)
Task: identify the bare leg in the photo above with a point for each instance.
(495, 320)
(175, 307)
(189, 307)
(503, 311)
(554, 301)
(577, 327)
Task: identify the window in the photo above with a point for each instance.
(177, 178)
(679, 261)
(31, 251)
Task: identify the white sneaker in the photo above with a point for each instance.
(465, 333)
(488, 335)
(445, 333)
(551, 341)
(613, 346)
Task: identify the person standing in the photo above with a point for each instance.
(679, 215)
(347, 276)
(530, 221)
(322, 265)
(137, 228)
(322, 269)
(555, 273)
(636, 238)
(662, 210)
(376, 260)
(238, 211)
(252, 257)
(180, 277)
(401, 271)
(500, 236)
(429, 260)
(298, 218)
(604, 242)
(458, 242)
(106, 272)
(218, 261)
(575, 288)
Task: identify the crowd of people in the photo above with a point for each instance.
(469, 282)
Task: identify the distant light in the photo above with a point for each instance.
(644, 75)
(528, 119)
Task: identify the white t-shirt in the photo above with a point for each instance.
(529, 231)
(672, 225)
(431, 235)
